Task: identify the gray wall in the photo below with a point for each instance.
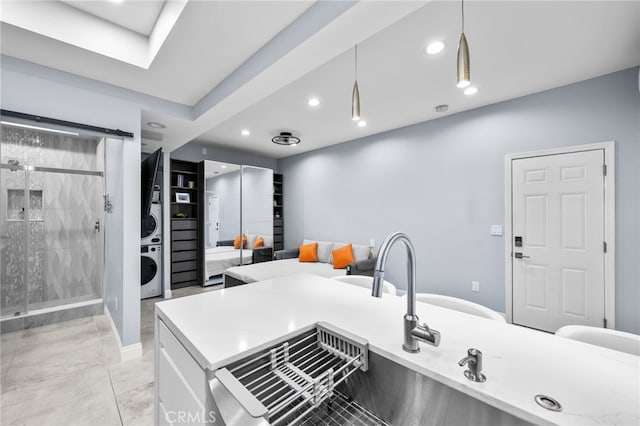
(34, 89)
(193, 152)
(442, 182)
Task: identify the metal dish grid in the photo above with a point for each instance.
(338, 411)
(296, 380)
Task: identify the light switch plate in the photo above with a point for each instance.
(496, 229)
(372, 242)
(475, 286)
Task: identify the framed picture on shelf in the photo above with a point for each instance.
(183, 197)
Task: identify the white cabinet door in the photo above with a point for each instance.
(181, 384)
(558, 229)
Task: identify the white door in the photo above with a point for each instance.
(558, 240)
(213, 225)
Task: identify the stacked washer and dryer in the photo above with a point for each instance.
(151, 252)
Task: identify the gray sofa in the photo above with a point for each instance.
(286, 263)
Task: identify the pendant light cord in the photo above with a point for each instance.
(462, 16)
(356, 62)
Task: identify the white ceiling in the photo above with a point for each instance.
(139, 16)
(202, 49)
(213, 68)
(517, 48)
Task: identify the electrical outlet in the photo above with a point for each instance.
(496, 230)
(475, 286)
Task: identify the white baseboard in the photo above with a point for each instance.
(129, 352)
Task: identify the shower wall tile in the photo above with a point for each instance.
(68, 268)
(36, 286)
(13, 259)
(64, 251)
(50, 150)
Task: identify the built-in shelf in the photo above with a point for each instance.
(186, 231)
(278, 210)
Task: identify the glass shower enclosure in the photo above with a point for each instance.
(51, 224)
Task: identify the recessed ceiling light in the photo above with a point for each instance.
(472, 90)
(156, 125)
(117, 1)
(223, 166)
(442, 108)
(362, 123)
(435, 47)
(245, 132)
(313, 102)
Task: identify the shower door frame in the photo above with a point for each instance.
(26, 168)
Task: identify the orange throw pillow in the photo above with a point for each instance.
(343, 256)
(259, 242)
(308, 253)
(236, 242)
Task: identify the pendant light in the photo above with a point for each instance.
(464, 67)
(355, 95)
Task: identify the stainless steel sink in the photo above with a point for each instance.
(401, 396)
(327, 376)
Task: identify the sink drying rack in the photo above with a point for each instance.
(294, 382)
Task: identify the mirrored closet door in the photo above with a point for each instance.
(238, 203)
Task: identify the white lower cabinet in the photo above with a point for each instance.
(181, 384)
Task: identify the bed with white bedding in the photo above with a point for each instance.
(218, 259)
(279, 268)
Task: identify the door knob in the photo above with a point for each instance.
(521, 256)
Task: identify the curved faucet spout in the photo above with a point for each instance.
(413, 330)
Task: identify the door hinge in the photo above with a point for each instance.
(604, 169)
(604, 246)
(605, 322)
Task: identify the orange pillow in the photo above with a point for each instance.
(236, 242)
(259, 242)
(343, 256)
(308, 253)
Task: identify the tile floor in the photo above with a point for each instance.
(70, 373)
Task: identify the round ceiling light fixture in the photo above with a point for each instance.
(245, 132)
(156, 125)
(313, 102)
(442, 108)
(285, 138)
(435, 47)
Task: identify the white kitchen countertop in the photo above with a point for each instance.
(595, 385)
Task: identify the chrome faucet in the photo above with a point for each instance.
(474, 365)
(413, 331)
